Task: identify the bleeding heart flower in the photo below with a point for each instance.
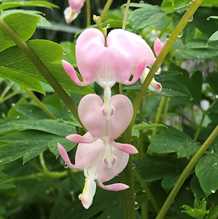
(120, 57)
(92, 158)
(154, 85)
(73, 10)
(92, 114)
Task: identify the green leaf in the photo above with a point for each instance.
(212, 79)
(155, 168)
(171, 6)
(16, 20)
(56, 127)
(171, 140)
(148, 17)
(196, 50)
(207, 173)
(21, 78)
(214, 37)
(195, 86)
(15, 4)
(26, 145)
(51, 54)
(198, 213)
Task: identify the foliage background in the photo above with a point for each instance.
(170, 127)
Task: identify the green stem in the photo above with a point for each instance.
(144, 209)
(14, 93)
(35, 176)
(160, 59)
(88, 13)
(125, 17)
(105, 10)
(166, 108)
(43, 164)
(159, 113)
(128, 201)
(42, 68)
(149, 194)
(5, 91)
(186, 173)
(41, 105)
(198, 131)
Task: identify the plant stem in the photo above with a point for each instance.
(198, 131)
(41, 105)
(159, 113)
(186, 173)
(144, 210)
(42, 162)
(42, 68)
(164, 52)
(5, 91)
(149, 194)
(128, 201)
(105, 10)
(88, 13)
(35, 176)
(166, 108)
(125, 17)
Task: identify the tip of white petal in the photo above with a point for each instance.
(70, 15)
(85, 202)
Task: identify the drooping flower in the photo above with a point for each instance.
(94, 116)
(90, 157)
(72, 11)
(98, 155)
(120, 57)
(154, 85)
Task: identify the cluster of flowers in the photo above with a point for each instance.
(122, 57)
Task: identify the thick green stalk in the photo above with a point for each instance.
(105, 10)
(39, 65)
(159, 113)
(186, 173)
(88, 13)
(160, 59)
(125, 17)
(198, 131)
(128, 199)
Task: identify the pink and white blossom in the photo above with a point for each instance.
(91, 158)
(119, 57)
(154, 85)
(72, 11)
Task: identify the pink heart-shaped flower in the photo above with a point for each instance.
(92, 116)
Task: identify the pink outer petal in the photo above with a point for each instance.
(112, 61)
(76, 5)
(75, 138)
(127, 148)
(94, 120)
(138, 73)
(88, 154)
(69, 69)
(158, 46)
(137, 50)
(89, 50)
(65, 157)
(155, 86)
(104, 173)
(116, 187)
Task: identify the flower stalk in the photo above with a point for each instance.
(164, 52)
(186, 173)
